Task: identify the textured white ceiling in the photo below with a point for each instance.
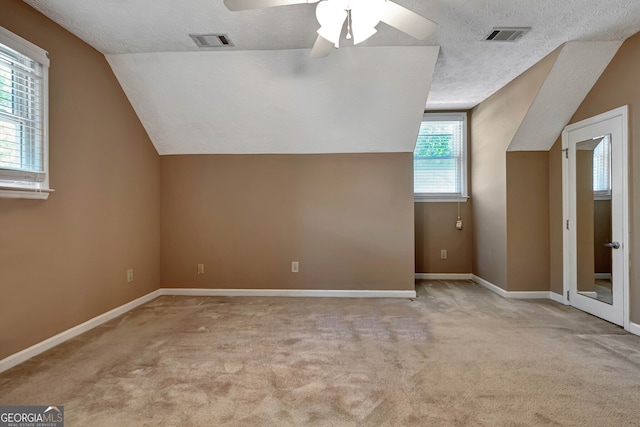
(263, 95)
(355, 100)
(468, 69)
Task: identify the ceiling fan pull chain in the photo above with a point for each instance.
(348, 24)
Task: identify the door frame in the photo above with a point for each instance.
(568, 255)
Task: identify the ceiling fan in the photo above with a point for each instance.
(362, 16)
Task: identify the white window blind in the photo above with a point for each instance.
(602, 168)
(439, 159)
(23, 110)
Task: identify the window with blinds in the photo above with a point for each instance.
(440, 158)
(23, 114)
(602, 169)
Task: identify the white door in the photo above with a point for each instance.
(595, 189)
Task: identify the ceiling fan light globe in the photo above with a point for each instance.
(361, 34)
(365, 16)
(331, 18)
(328, 13)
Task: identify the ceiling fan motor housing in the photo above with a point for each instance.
(363, 14)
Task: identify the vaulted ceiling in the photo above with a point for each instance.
(264, 94)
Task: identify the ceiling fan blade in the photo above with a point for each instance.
(235, 5)
(321, 48)
(407, 21)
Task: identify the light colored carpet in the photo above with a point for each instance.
(457, 355)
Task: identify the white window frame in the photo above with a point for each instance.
(463, 196)
(10, 187)
(606, 193)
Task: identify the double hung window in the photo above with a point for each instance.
(23, 118)
(602, 169)
(440, 158)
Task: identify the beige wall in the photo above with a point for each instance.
(584, 221)
(64, 260)
(435, 230)
(494, 123)
(347, 219)
(619, 85)
(602, 235)
(528, 221)
(556, 230)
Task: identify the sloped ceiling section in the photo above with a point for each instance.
(575, 71)
(255, 102)
(468, 71)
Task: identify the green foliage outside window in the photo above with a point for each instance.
(438, 158)
(434, 145)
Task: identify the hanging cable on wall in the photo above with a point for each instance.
(459, 221)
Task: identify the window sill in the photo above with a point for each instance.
(440, 199)
(6, 193)
(601, 195)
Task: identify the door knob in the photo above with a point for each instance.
(612, 245)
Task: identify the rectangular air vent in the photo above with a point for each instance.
(211, 40)
(507, 34)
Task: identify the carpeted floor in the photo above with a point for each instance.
(457, 355)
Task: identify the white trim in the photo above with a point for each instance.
(463, 196)
(26, 354)
(18, 194)
(493, 288)
(589, 294)
(581, 131)
(626, 228)
(35, 53)
(556, 297)
(602, 276)
(634, 328)
(512, 294)
(602, 195)
(443, 276)
(417, 198)
(318, 293)
(24, 46)
(529, 294)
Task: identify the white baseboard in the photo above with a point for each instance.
(634, 328)
(443, 276)
(486, 284)
(26, 354)
(593, 295)
(511, 294)
(317, 293)
(556, 297)
(603, 276)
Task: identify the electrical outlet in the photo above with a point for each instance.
(294, 266)
(200, 268)
(130, 275)
(443, 254)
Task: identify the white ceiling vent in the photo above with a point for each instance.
(211, 40)
(507, 34)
